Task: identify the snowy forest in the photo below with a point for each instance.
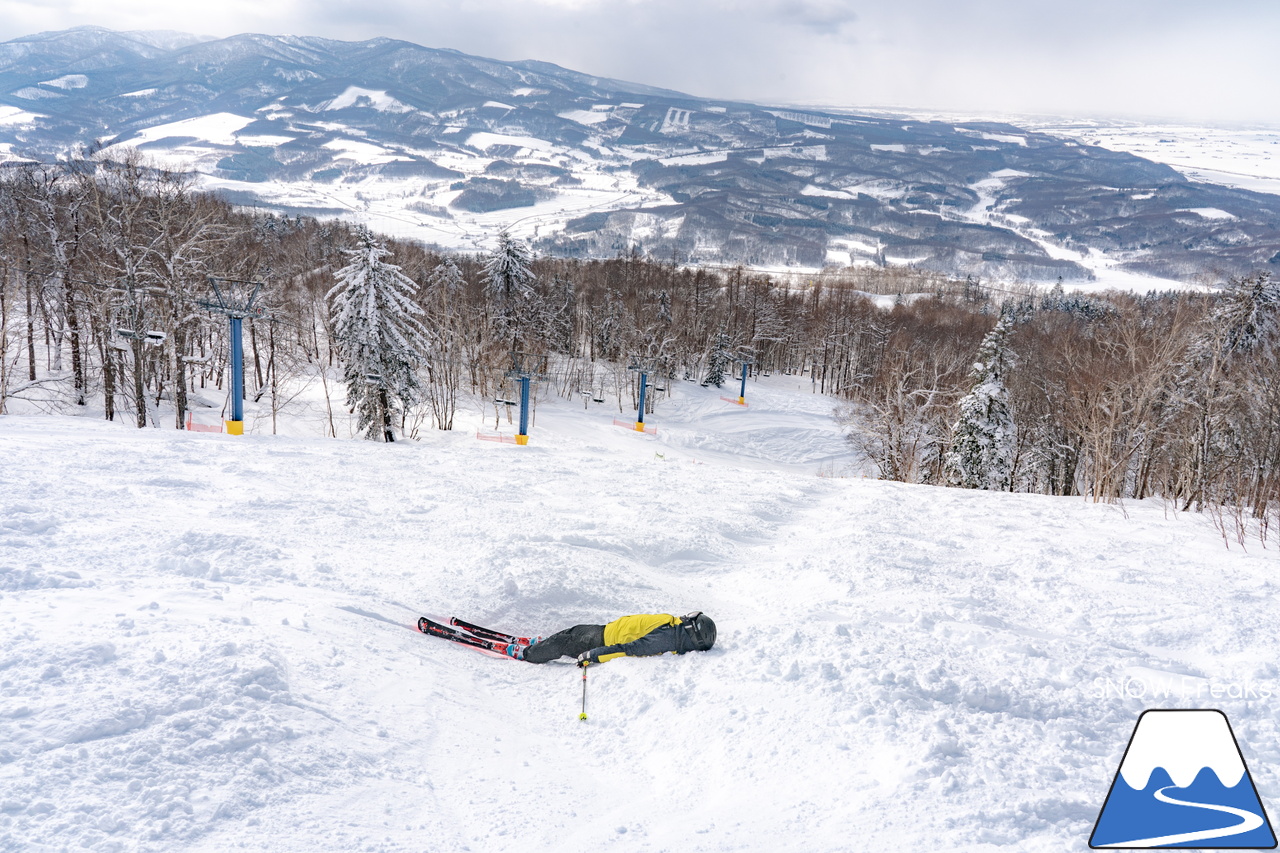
(105, 270)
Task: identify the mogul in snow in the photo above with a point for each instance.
(640, 635)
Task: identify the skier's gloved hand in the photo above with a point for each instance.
(584, 659)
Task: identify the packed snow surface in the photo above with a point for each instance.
(207, 643)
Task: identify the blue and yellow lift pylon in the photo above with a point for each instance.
(237, 299)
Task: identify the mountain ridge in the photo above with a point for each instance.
(448, 147)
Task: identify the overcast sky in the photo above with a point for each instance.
(1209, 60)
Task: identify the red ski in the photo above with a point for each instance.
(490, 634)
(435, 629)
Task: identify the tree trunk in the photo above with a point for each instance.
(257, 363)
(31, 330)
(4, 338)
(384, 416)
(271, 373)
(139, 386)
(73, 323)
(180, 374)
(108, 382)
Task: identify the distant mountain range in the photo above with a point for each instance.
(449, 148)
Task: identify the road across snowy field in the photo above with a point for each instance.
(206, 642)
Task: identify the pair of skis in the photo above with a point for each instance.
(467, 634)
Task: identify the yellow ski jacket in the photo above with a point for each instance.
(643, 634)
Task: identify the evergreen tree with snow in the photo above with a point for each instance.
(719, 360)
(446, 279)
(1248, 316)
(981, 456)
(664, 308)
(509, 282)
(377, 330)
(507, 270)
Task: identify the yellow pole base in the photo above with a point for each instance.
(742, 401)
(639, 426)
(522, 439)
(234, 427)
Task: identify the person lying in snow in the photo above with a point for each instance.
(643, 634)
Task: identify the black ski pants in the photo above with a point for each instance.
(571, 642)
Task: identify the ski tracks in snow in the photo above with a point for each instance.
(190, 656)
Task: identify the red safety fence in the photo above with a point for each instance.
(631, 425)
(734, 400)
(501, 439)
(192, 426)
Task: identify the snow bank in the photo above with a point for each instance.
(206, 641)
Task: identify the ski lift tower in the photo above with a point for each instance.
(237, 299)
(643, 366)
(527, 367)
(745, 363)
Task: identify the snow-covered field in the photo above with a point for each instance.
(402, 207)
(1244, 157)
(206, 642)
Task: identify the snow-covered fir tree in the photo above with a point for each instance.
(664, 308)
(377, 330)
(509, 282)
(1248, 314)
(719, 360)
(981, 456)
(446, 279)
(508, 269)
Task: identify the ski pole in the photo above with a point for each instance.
(583, 715)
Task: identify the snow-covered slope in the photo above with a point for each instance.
(205, 641)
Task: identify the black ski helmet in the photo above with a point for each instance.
(701, 629)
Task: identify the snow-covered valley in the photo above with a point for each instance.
(206, 640)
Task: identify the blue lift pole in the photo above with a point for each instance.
(235, 305)
(644, 385)
(235, 426)
(523, 437)
(742, 395)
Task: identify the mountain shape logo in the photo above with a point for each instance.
(1183, 783)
